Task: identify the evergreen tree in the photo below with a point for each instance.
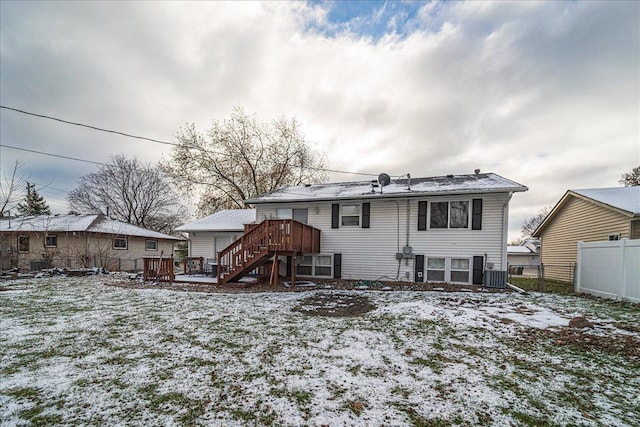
(34, 203)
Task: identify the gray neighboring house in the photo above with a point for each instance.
(78, 241)
(526, 254)
(209, 235)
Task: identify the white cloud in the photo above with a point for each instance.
(545, 93)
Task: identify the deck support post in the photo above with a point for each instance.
(293, 271)
(273, 280)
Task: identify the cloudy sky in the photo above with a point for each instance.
(544, 93)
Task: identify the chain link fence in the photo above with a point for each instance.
(556, 273)
(108, 263)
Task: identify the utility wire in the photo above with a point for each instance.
(136, 137)
(89, 126)
(53, 155)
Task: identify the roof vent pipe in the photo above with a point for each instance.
(409, 181)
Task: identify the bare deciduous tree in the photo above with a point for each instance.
(529, 225)
(11, 189)
(240, 158)
(130, 191)
(632, 178)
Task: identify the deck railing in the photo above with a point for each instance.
(261, 241)
(158, 269)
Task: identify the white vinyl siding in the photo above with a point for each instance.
(207, 244)
(369, 254)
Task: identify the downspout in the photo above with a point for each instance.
(398, 236)
(505, 231)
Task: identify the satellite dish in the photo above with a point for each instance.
(384, 179)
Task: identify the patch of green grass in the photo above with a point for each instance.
(551, 286)
(418, 420)
(302, 397)
(28, 393)
(36, 418)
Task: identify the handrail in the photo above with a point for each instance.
(262, 240)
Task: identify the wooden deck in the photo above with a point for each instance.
(158, 269)
(261, 242)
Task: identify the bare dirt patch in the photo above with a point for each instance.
(625, 345)
(334, 284)
(335, 305)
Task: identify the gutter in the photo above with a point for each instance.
(377, 196)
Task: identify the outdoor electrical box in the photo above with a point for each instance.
(407, 253)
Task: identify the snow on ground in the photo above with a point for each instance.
(77, 352)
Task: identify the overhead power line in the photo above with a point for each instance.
(53, 155)
(89, 126)
(136, 137)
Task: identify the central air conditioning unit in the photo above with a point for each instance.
(495, 279)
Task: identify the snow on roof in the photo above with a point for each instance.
(518, 250)
(78, 223)
(625, 198)
(112, 226)
(227, 220)
(52, 223)
(440, 185)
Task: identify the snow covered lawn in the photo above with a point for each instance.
(77, 352)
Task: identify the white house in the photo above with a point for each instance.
(448, 228)
(209, 235)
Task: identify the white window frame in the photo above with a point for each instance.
(449, 227)
(118, 248)
(448, 262)
(49, 236)
(146, 245)
(428, 268)
(358, 206)
(284, 213)
(613, 237)
(468, 270)
(314, 264)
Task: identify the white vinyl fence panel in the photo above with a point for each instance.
(609, 269)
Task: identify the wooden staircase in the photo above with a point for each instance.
(261, 242)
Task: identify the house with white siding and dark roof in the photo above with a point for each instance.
(442, 229)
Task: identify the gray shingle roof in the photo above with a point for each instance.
(78, 223)
(227, 220)
(439, 185)
(625, 198)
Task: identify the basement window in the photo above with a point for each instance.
(460, 270)
(314, 265)
(435, 269)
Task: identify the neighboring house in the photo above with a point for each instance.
(211, 234)
(526, 254)
(78, 241)
(441, 229)
(587, 215)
